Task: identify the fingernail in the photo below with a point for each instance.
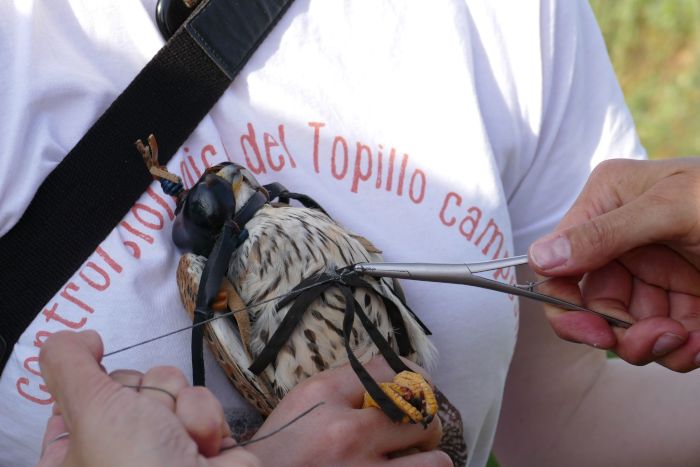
(666, 343)
(550, 253)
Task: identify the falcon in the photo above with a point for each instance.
(285, 255)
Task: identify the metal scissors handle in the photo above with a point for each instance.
(465, 274)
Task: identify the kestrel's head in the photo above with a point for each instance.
(243, 183)
(216, 197)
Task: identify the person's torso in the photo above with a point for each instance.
(371, 108)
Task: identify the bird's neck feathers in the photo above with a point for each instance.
(243, 193)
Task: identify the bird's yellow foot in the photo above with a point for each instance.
(412, 394)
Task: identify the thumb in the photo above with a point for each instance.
(595, 242)
(70, 366)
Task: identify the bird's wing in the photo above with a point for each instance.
(225, 339)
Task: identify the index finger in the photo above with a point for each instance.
(576, 326)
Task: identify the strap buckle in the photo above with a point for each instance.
(170, 14)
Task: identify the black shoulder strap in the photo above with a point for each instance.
(99, 180)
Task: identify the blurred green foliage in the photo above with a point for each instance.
(654, 46)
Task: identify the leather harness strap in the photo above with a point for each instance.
(231, 237)
(312, 288)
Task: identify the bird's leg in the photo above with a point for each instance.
(220, 303)
(228, 300)
(412, 394)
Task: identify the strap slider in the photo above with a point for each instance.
(170, 14)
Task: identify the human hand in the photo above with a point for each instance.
(341, 433)
(630, 247)
(164, 422)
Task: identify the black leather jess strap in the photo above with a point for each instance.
(99, 180)
(309, 290)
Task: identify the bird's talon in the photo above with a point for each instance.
(412, 394)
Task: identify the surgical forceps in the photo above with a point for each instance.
(465, 274)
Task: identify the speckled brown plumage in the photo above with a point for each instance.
(284, 246)
(269, 265)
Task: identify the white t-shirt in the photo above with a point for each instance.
(444, 131)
